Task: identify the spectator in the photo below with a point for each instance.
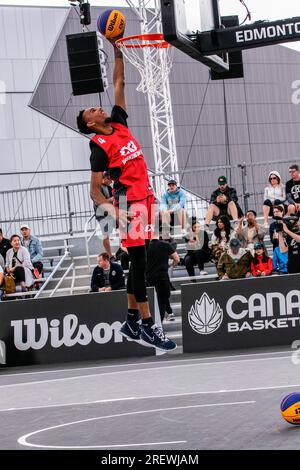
(172, 202)
(261, 264)
(198, 251)
(223, 201)
(280, 258)
(292, 189)
(274, 195)
(106, 221)
(34, 247)
(250, 232)
(158, 254)
(18, 263)
(4, 245)
(236, 263)
(107, 276)
(278, 213)
(293, 242)
(221, 237)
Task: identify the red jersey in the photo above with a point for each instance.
(125, 155)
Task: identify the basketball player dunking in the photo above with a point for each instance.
(114, 148)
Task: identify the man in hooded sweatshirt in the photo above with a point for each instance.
(172, 202)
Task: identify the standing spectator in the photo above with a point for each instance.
(223, 201)
(250, 232)
(261, 264)
(198, 251)
(278, 212)
(158, 254)
(235, 263)
(4, 245)
(107, 276)
(34, 247)
(172, 202)
(292, 189)
(274, 195)
(221, 237)
(106, 221)
(293, 242)
(18, 263)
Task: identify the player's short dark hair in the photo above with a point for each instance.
(81, 124)
(104, 256)
(294, 167)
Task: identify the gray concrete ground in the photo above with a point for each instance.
(203, 401)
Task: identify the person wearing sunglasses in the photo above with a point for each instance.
(274, 195)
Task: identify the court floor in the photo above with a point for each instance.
(204, 401)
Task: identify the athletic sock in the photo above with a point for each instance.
(133, 315)
(147, 321)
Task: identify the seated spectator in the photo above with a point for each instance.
(278, 212)
(236, 263)
(172, 202)
(198, 251)
(4, 245)
(105, 220)
(2, 262)
(292, 189)
(18, 263)
(158, 254)
(274, 195)
(221, 237)
(250, 232)
(261, 264)
(223, 201)
(280, 259)
(107, 276)
(34, 247)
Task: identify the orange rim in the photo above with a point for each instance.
(157, 37)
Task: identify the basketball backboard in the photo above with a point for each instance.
(183, 19)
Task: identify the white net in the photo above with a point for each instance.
(152, 57)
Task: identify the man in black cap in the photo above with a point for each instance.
(172, 202)
(223, 201)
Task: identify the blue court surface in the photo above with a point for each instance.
(208, 401)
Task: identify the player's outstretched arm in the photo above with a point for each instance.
(119, 77)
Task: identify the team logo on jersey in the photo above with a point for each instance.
(128, 149)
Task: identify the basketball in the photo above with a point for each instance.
(111, 23)
(290, 408)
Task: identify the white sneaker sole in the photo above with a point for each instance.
(148, 345)
(128, 337)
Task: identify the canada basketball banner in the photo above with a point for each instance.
(66, 329)
(241, 313)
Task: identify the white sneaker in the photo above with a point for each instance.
(203, 273)
(170, 317)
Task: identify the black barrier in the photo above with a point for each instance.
(243, 313)
(67, 329)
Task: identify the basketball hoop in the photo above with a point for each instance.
(153, 58)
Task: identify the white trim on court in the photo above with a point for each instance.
(150, 397)
(136, 364)
(23, 439)
(147, 369)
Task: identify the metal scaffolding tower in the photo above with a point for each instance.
(160, 105)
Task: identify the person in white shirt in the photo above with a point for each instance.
(274, 195)
(18, 263)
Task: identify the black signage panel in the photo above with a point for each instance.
(67, 329)
(244, 313)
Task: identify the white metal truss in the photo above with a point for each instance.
(160, 105)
